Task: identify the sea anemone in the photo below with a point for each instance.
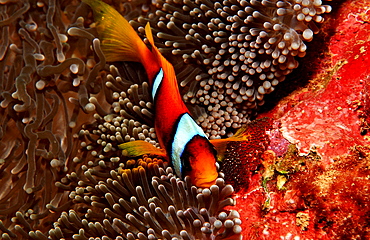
(233, 52)
(130, 119)
(40, 111)
(63, 111)
(142, 199)
(51, 86)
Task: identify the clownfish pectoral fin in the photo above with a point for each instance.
(241, 135)
(221, 144)
(119, 41)
(139, 148)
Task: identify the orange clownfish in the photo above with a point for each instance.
(185, 143)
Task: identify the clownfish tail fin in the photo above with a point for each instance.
(119, 41)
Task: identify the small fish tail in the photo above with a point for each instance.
(119, 40)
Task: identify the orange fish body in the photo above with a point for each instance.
(184, 141)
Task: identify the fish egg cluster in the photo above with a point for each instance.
(234, 52)
(243, 158)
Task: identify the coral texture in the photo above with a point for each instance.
(316, 186)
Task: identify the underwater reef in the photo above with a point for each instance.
(298, 83)
(313, 181)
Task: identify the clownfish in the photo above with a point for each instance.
(184, 142)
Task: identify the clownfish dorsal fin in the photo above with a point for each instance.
(149, 34)
(241, 134)
(119, 41)
(138, 148)
(166, 68)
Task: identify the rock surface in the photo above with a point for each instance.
(314, 183)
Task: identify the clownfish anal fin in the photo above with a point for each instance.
(139, 148)
(241, 134)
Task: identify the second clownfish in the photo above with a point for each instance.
(184, 142)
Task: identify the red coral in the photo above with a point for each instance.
(324, 114)
(339, 196)
(327, 189)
